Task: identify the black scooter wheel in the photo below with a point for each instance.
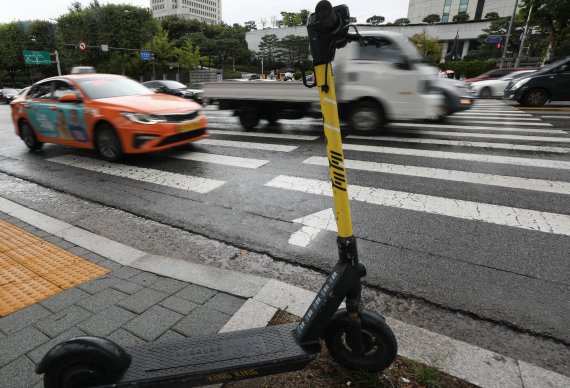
(75, 374)
(380, 346)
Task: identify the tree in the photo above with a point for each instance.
(267, 47)
(401, 22)
(293, 49)
(432, 19)
(250, 25)
(375, 20)
(551, 17)
(461, 17)
(188, 56)
(492, 15)
(427, 46)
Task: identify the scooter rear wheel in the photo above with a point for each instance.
(380, 346)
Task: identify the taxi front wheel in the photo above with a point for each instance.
(108, 144)
(29, 137)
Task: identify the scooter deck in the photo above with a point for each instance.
(217, 358)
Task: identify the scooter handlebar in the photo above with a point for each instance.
(326, 17)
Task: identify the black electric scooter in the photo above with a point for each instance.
(355, 338)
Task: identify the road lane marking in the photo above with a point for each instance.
(221, 159)
(243, 144)
(546, 139)
(473, 127)
(502, 122)
(556, 117)
(148, 175)
(464, 143)
(468, 210)
(489, 118)
(515, 161)
(312, 225)
(506, 114)
(541, 108)
(492, 110)
(262, 134)
(557, 187)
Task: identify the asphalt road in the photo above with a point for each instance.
(471, 216)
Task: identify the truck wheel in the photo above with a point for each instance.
(366, 116)
(249, 118)
(535, 97)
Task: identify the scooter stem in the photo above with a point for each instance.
(327, 94)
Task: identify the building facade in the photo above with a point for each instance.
(447, 9)
(207, 11)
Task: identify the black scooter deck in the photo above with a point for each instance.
(216, 358)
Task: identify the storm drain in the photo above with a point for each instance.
(32, 269)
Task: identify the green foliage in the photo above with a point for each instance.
(427, 376)
(401, 22)
(492, 15)
(292, 49)
(468, 69)
(432, 19)
(461, 17)
(363, 379)
(250, 25)
(551, 17)
(268, 48)
(292, 19)
(375, 20)
(427, 46)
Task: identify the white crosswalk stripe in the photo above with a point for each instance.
(262, 134)
(468, 210)
(476, 127)
(542, 163)
(489, 118)
(479, 114)
(504, 122)
(451, 175)
(221, 159)
(243, 144)
(148, 175)
(464, 143)
(547, 139)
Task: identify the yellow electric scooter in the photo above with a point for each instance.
(357, 339)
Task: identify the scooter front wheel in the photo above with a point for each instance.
(380, 346)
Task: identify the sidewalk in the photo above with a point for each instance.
(109, 289)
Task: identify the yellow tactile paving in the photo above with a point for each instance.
(32, 269)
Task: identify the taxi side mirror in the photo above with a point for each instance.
(69, 97)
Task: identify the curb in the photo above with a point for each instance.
(457, 358)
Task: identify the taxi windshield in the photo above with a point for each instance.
(96, 88)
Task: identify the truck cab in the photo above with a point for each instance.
(387, 75)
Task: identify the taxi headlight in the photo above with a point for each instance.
(143, 118)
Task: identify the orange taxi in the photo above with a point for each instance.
(110, 113)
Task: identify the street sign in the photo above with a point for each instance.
(37, 57)
(82, 45)
(493, 39)
(145, 55)
(104, 47)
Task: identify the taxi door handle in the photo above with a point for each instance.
(53, 107)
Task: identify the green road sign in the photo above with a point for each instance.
(37, 57)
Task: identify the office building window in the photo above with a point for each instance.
(463, 5)
(446, 9)
(479, 9)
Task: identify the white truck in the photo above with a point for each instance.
(386, 81)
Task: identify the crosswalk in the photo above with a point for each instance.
(491, 146)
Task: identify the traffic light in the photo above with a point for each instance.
(498, 45)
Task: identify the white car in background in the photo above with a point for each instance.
(496, 87)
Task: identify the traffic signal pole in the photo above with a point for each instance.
(509, 34)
